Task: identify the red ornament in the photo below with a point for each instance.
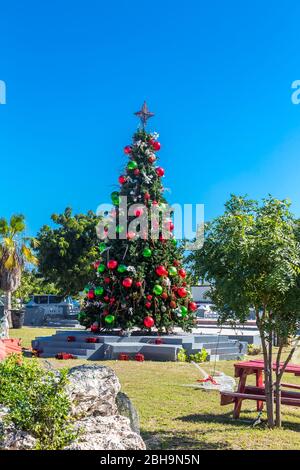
(127, 282)
(182, 292)
(152, 159)
(106, 298)
(122, 179)
(161, 271)
(182, 273)
(107, 280)
(128, 149)
(148, 304)
(94, 328)
(130, 235)
(139, 212)
(155, 144)
(147, 196)
(148, 322)
(173, 304)
(149, 297)
(112, 264)
(154, 203)
(112, 300)
(176, 262)
(91, 294)
(164, 295)
(138, 284)
(136, 172)
(192, 306)
(160, 171)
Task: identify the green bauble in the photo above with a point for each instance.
(102, 247)
(99, 290)
(115, 198)
(109, 319)
(101, 268)
(132, 165)
(172, 271)
(184, 311)
(119, 229)
(122, 268)
(157, 289)
(147, 252)
(174, 241)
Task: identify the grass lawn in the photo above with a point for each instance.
(176, 417)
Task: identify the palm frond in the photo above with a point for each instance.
(28, 255)
(3, 226)
(10, 262)
(17, 223)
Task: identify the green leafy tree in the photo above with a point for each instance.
(32, 283)
(251, 256)
(65, 252)
(14, 253)
(139, 280)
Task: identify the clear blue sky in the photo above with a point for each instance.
(217, 74)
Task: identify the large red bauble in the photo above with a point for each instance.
(192, 306)
(138, 284)
(182, 292)
(127, 282)
(148, 322)
(122, 179)
(112, 264)
(127, 149)
(161, 271)
(160, 171)
(91, 294)
(155, 144)
(182, 273)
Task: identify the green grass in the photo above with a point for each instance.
(176, 417)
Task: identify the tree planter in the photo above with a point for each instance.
(17, 317)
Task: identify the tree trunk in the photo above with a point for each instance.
(7, 323)
(268, 379)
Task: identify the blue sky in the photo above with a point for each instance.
(217, 74)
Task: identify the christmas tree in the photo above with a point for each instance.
(139, 279)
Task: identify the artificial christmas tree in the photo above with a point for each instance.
(139, 280)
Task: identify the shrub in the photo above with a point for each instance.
(200, 356)
(37, 401)
(182, 355)
(253, 349)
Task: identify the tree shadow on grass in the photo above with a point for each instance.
(180, 440)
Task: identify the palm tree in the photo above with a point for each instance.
(14, 253)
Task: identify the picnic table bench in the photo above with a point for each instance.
(257, 392)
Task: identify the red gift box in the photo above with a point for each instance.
(63, 355)
(70, 339)
(139, 357)
(123, 357)
(158, 341)
(92, 340)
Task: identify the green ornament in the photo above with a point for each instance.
(102, 247)
(172, 271)
(122, 268)
(109, 319)
(119, 229)
(157, 289)
(99, 290)
(101, 268)
(115, 198)
(174, 241)
(184, 311)
(147, 252)
(132, 165)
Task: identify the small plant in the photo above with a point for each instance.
(182, 355)
(37, 401)
(253, 349)
(200, 356)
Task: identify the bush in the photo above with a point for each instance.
(200, 356)
(182, 355)
(37, 401)
(253, 349)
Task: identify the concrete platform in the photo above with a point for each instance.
(111, 346)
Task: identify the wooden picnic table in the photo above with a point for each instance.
(257, 392)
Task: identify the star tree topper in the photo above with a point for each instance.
(144, 114)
